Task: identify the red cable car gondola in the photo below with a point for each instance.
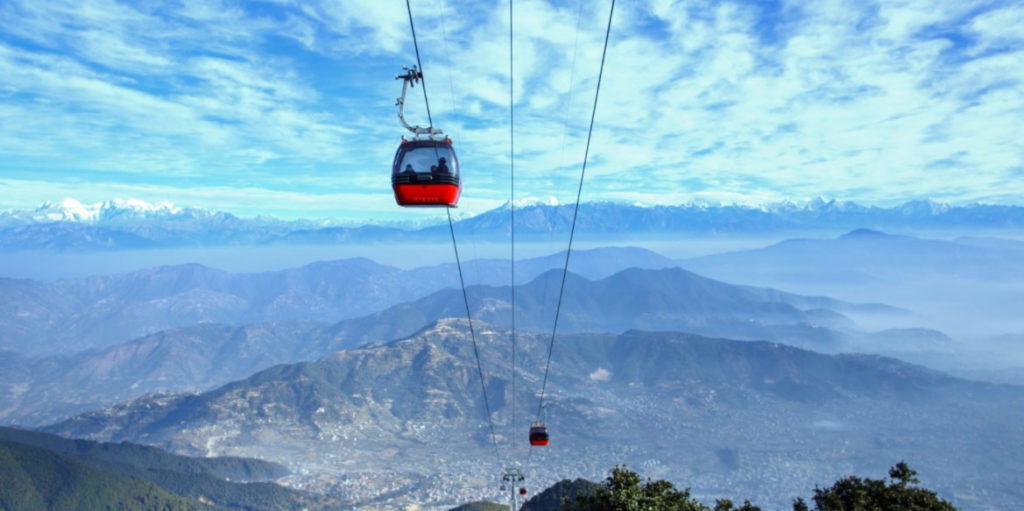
(538, 434)
(522, 491)
(426, 173)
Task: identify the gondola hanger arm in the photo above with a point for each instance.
(409, 79)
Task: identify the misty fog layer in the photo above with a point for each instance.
(970, 288)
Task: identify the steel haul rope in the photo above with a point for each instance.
(512, 205)
(472, 335)
(572, 77)
(575, 213)
(416, 45)
(458, 260)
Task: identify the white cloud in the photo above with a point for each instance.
(1000, 26)
(601, 374)
(721, 101)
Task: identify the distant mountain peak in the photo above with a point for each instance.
(68, 210)
(924, 206)
(524, 202)
(864, 233)
(73, 210)
(136, 223)
(446, 326)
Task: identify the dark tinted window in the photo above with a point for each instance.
(421, 159)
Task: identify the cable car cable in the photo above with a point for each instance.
(572, 77)
(458, 260)
(419, 62)
(472, 335)
(575, 213)
(512, 205)
(567, 107)
(451, 113)
(448, 60)
(416, 45)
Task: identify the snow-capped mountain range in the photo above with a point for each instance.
(71, 210)
(111, 212)
(133, 223)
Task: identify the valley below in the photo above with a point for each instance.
(403, 423)
(360, 378)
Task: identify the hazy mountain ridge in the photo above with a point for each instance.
(132, 212)
(419, 396)
(197, 357)
(187, 358)
(663, 299)
(128, 226)
(970, 288)
(613, 218)
(872, 254)
(132, 223)
(73, 315)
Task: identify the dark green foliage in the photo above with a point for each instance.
(898, 493)
(247, 496)
(553, 498)
(727, 505)
(33, 479)
(196, 478)
(480, 506)
(124, 454)
(624, 490)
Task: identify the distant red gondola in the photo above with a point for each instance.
(522, 490)
(538, 434)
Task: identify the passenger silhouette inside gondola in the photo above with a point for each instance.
(425, 173)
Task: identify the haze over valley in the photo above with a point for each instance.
(758, 370)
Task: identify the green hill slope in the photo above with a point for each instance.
(124, 454)
(212, 480)
(480, 506)
(32, 478)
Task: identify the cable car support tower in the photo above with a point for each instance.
(514, 481)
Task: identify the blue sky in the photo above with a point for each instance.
(287, 108)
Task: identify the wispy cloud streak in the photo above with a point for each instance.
(738, 101)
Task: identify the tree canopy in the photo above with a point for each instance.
(898, 493)
(625, 490)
